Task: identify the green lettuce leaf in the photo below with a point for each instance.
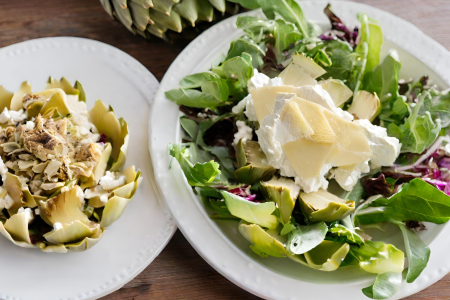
(304, 238)
(420, 130)
(285, 35)
(242, 45)
(417, 252)
(190, 126)
(417, 201)
(345, 234)
(372, 35)
(239, 67)
(386, 285)
(198, 174)
(192, 98)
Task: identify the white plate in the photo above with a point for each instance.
(219, 243)
(145, 227)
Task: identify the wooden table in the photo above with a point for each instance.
(179, 272)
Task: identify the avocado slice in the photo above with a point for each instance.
(283, 191)
(252, 163)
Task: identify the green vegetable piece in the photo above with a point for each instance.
(5, 98)
(64, 208)
(57, 104)
(304, 238)
(376, 257)
(339, 230)
(324, 206)
(417, 201)
(284, 192)
(86, 243)
(198, 174)
(264, 242)
(327, 256)
(252, 163)
(17, 227)
(365, 105)
(372, 34)
(82, 94)
(240, 46)
(338, 91)
(19, 193)
(63, 84)
(193, 98)
(238, 67)
(73, 232)
(16, 101)
(386, 285)
(252, 212)
(417, 252)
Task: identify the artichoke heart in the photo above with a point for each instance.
(324, 206)
(252, 163)
(264, 242)
(284, 192)
(55, 154)
(365, 105)
(327, 256)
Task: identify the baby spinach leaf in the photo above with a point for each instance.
(386, 285)
(304, 238)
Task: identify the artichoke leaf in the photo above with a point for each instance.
(252, 212)
(73, 232)
(64, 208)
(99, 170)
(86, 243)
(16, 101)
(284, 193)
(62, 84)
(5, 98)
(113, 210)
(17, 227)
(264, 242)
(56, 106)
(20, 194)
(120, 161)
(327, 256)
(9, 237)
(53, 248)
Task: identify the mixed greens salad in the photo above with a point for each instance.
(307, 139)
(62, 182)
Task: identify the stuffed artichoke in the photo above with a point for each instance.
(62, 182)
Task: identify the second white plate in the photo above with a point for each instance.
(139, 235)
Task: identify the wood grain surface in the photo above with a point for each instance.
(179, 272)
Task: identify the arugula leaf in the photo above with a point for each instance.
(285, 35)
(372, 35)
(196, 80)
(242, 45)
(359, 67)
(419, 131)
(190, 126)
(386, 285)
(383, 80)
(416, 201)
(342, 59)
(304, 238)
(198, 174)
(239, 67)
(192, 98)
(338, 230)
(417, 252)
(290, 10)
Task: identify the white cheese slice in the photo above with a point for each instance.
(308, 65)
(351, 145)
(338, 91)
(264, 99)
(306, 156)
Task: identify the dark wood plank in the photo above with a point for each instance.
(179, 272)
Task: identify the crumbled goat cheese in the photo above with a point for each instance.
(3, 169)
(346, 178)
(244, 132)
(239, 108)
(30, 125)
(385, 149)
(10, 117)
(28, 213)
(97, 192)
(37, 211)
(109, 181)
(57, 226)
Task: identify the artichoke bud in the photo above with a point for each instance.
(324, 206)
(284, 192)
(264, 242)
(252, 163)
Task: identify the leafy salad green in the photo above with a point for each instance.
(306, 137)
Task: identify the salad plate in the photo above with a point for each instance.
(219, 241)
(145, 226)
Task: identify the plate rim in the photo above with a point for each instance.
(111, 284)
(193, 46)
